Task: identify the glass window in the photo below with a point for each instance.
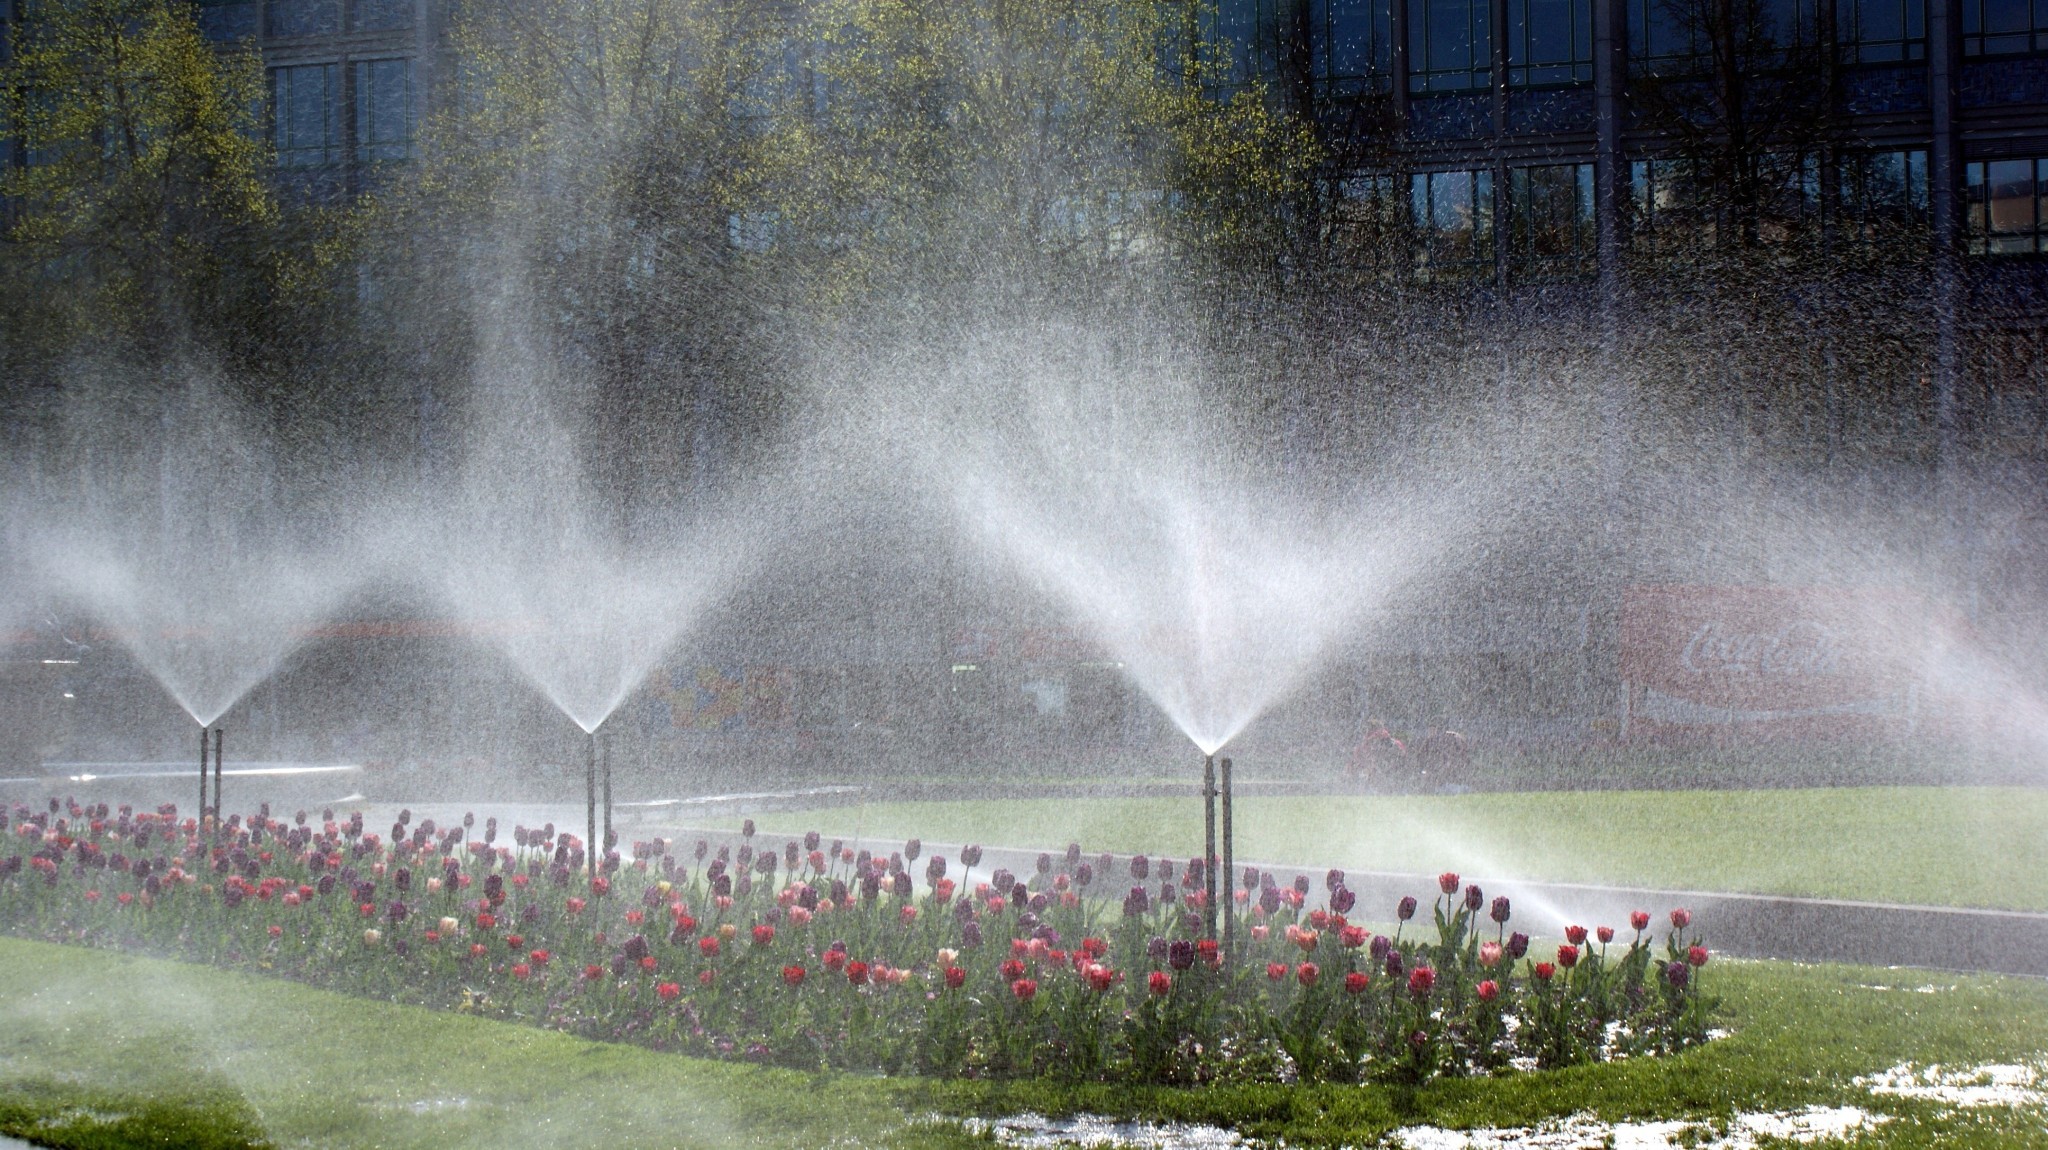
(1997, 27)
(1550, 42)
(380, 15)
(1665, 36)
(302, 17)
(228, 19)
(1352, 43)
(1450, 45)
(1550, 225)
(2003, 198)
(306, 114)
(1874, 31)
(1452, 213)
(1881, 190)
(383, 109)
(1232, 40)
(1665, 207)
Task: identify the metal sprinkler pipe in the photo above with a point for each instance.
(605, 752)
(201, 824)
(219, 808)
(1229, 874)
(590, 804)
(1209, 844)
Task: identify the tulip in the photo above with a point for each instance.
(1307, 973)
(1406, 909)
(1180, 954)
(1488, 990)
(1567, 956)
(521, 970)
(857, 973)
(1448, 882)
(1474, 899)
(1544, 971)
(1356, 982)
(793, 975)
(593, 972)
(955, 978)
(1352, 937)
(1207, 950)
(1159, 983)
(1639, 919)
(1518, 944)
(540, 957)
(1276, 971)
(764, 934)
(1576, 935)
(1681, 918)
(1489, 954)
(705, 977)
(1677, 974)
(372, 937)
(669, 991)
(1421, 981)
(708, 946)
(1025, 989)
(1605, 934)
(1697, 956)
(1499, 913)
(1343, 899)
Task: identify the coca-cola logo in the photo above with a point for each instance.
(1799, 648)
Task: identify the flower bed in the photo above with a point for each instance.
(809, 954)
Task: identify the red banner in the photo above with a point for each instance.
(1792, 660)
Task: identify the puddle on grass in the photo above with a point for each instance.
(1036, 1132)
(2012, 1085)
(1585, 1132)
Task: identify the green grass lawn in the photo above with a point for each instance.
(1946, 846)
(125, 1051)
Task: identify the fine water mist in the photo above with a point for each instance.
(581, 591)
(1125, 493)
(197, 545)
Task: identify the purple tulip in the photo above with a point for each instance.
(1406, 909)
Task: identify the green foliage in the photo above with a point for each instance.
(143, 213)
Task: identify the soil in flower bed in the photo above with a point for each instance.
(808, 955)
(1936, 846)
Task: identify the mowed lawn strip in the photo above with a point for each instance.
(257, 1061)
(234, 1060)
(1938, 846)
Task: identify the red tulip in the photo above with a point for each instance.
(593, 972)
(575, 905)
(1697, 956)
(955, 978)
(1681, 918)
(1605, 934)
(521, 970)
(668, 991)
(1025, 989)
(1640, 919)
(1355, 983)
(834, 959)
(793, 975)
(648, 964)
(1353, 937)
(708, 945)
(1160, 983)
(1567, 956)
(1576, 935)
(704, 977)
(1488, 990)
(1307, 973)
(540, 957)
(1013, 968)
(1421, 981)
(857, 973)
(1543, 971)
(514, 942)
(764, 934)
(485, 920)
(1448, 882)
(1276, 970)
